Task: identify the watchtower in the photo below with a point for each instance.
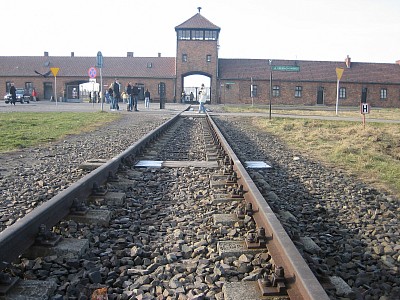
(197, 51)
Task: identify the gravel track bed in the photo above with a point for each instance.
(355, 226)
(32, 176)
(161, 243)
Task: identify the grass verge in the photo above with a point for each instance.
(372, 154)
(21, 130)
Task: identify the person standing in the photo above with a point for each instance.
(13, 93)
(135, 94)
(110, 95)
(117, 94)
(129, 92)
(202, 99)
(147, 99)
(34, 95)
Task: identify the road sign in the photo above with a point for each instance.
(92, 72)
(364, 109)
(99, 60)
(54, 71)
(286, 68)
(339, 73)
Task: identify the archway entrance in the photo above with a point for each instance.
(191, 86)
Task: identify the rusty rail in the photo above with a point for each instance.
(17, 238)
(301, 281)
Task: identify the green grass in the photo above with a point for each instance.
(354, 112)
(372, 154)
(21, 130)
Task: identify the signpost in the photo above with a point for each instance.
(364, 109)
(286, 68)
(282, 69)
(99, 64)
(54, 71)
(339, 73)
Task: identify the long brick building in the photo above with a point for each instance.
(230, 80)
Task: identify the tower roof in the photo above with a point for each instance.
(197, 22)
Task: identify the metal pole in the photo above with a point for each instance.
(270, 94)
(337, 96)
(251, 91)
(55, 89)
(101, 90)
(270, 88)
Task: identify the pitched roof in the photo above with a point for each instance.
(197, 22)
(310, 71)
(161, 67)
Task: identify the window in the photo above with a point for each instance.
(275, 91)
(210, 35)
(183, 34)
(149, 65)
(342, 93)
(383, 93)
(208, 58)
(8, 86)
(197, 34)
(298, 91)
(184, 57)
(255, 91)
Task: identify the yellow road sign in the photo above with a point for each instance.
(339, 73)
(54, 71)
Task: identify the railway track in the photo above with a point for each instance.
(175, 216)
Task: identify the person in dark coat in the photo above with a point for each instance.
(135, 95)
(13, 93)
(129, 92)
(117, 93)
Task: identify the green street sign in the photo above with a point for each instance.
(286, 68)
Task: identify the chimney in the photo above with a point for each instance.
(159, 54)
(46, 53)
(397, 62)
(72, 54)
(129, 54)
(348, 62)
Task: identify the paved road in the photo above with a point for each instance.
(42, 106)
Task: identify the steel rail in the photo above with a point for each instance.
(18, 237)
(302, 284)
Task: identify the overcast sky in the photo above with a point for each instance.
(326, 30)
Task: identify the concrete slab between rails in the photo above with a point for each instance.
(31, 289)
(221, 183)
(226, 219)
(122, 184)
(176, 164)
(115, 198)
(236, 248)
(66, 247)
(223, 198)
(93, 216)
(92, 164)
(246, 290)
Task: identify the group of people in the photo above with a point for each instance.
(131, 94)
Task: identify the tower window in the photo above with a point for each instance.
(197, 34)
(208, 58)
(184, 57)
(183, 34)
(210, 35)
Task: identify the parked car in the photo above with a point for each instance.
(21, 94)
